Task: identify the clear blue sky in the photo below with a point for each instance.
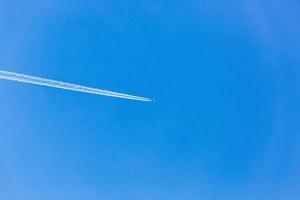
(227, 76)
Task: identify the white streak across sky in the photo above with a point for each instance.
(66, 86)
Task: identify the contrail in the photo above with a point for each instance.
(66, 86)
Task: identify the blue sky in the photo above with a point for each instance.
(226, 74)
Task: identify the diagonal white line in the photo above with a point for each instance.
(64, 85)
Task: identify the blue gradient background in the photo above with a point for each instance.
(227, 76)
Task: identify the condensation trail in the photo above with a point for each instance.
(66, 86)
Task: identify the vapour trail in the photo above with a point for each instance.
(66, 86)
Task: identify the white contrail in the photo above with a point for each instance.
(63, 85)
